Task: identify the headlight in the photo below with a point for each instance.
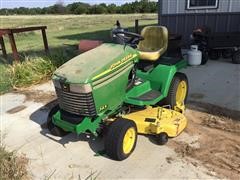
(80, 88)
(77, 88)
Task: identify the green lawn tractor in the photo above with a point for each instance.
(122, 91)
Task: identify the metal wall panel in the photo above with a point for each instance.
(184, 23)
(179, 6)
(235, 6)
(174, 15)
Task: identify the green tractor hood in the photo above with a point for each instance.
(96, 63)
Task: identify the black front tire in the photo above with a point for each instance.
(115, 136)
(236, 57)
(54, 130)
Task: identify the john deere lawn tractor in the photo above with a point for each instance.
(122, 90)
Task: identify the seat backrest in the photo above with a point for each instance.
(155, 39)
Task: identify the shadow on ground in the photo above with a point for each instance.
(40, 117)
(95, 143)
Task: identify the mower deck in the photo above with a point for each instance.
(156, 120)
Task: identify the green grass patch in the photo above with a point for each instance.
(67, 29)
(31, 71)
(5, 83)
(35, 69)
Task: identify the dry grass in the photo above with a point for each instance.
(30, 72)
(12, 166)
(33, 70)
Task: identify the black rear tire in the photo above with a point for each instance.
(171, 98)
(236, 57)
(115, 136)
(54, 130)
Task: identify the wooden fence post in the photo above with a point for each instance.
(13, 45)
(45, 42)
(136, 26)
(3, 47)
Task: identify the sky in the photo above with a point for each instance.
(45, 3)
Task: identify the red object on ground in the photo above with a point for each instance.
(86, 45)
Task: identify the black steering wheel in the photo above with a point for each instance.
(128, 38)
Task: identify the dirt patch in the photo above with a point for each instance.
(221, 123)
(219, 143)
(78, 71)
(214, 110)
(16, 109)
(169, 160)
(38, 96)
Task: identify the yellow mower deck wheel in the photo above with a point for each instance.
(129, 140)
(181, 92)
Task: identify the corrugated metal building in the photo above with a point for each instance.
(182, 16)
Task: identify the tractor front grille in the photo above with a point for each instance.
(76, 103)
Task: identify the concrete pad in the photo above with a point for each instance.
(217, 82)
(72, 157)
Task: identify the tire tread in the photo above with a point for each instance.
(113, 141)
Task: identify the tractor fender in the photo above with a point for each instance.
(160, 77)
(166, 73)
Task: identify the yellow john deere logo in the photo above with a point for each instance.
(122, 61)
(116, 65)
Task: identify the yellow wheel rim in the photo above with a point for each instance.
(129, 140)
(181, 92)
